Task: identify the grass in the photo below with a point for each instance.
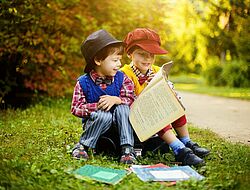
(35, 143)
(196, 84)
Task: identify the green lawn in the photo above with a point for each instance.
(196, 84)
(35, 144)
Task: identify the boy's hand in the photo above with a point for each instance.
(106, 102)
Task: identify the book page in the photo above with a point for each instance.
(154, 109)
(162, 73)
(166, 69)
(158, 76)
(169, 174)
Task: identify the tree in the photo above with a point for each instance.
(39, 51)
(40, 39)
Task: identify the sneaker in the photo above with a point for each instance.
(79, 152)
(187, 157)
(201, 152)
(128, 155)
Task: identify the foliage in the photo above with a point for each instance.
(39, 44)
(35, 145)
(236, 74)
(213, 75)
(231, 74)
(39, 50)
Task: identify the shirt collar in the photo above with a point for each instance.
(138, 73)
(140, 76)
(94, 75)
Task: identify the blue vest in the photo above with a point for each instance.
(93, 92)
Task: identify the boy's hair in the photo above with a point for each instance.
(132, 49)
(109, 50)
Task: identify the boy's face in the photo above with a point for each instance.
(142, 59)
(109, 66)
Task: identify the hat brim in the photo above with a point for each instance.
(152, 48)
(90, 64)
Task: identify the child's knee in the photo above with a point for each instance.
(122, 110)
(164, 130)
(101, 116)
(179, 122)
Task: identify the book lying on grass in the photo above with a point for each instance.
(165, 173)
(165, 183)
(102, 174)
(156, 107)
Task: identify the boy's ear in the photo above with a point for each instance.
(97, 62)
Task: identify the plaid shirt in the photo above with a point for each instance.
(81, 108)
(141, 77)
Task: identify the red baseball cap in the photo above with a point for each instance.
(146, 39)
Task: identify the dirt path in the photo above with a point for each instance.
(229, 118)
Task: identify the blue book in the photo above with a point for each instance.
(176, 173)
(102, 174)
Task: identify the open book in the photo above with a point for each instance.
(160, 172)
(156, 106)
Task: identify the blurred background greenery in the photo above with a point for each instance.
(40, 40)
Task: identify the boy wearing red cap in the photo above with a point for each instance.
(142, 44)
(103, 95)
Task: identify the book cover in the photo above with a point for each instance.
(102, 174)
(166, 173)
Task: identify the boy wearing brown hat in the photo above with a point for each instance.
(103, 95)
(142, 44)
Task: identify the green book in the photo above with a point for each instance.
(102, 174)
